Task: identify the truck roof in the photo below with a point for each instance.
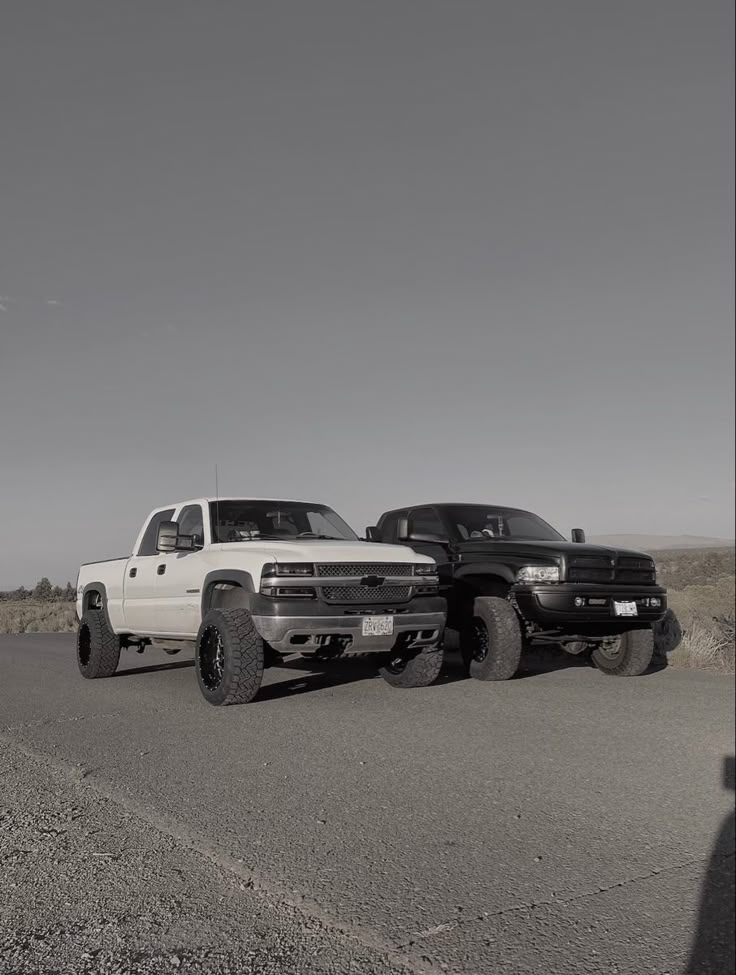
(458, 504)
(237, 497)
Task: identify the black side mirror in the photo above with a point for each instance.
(404, 535)
(578, 536)
(166, 536)
(187, 543)
(372, 534)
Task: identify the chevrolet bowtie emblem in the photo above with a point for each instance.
(372, 581)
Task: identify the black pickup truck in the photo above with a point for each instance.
(511, 580)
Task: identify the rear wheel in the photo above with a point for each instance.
(98, 648)
(400, 669)
(626, 655)
(229, 657)
(491, 643)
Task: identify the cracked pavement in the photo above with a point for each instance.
(561, 822)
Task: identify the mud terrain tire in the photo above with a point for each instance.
(229, 657)
(98, 648)
(491, 642)
(418, 671)
(629, 657)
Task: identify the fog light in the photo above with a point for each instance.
(579, 601)
(655, 602)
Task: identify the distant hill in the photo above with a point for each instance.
(655, 543)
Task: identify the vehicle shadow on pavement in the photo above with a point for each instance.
(712, 952)
(154, 668)
(316, 675)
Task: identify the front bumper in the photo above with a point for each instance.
(554, 606)
(290, 627)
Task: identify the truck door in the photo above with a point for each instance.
(140, 592)
(179, 577)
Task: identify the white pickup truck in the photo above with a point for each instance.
(245, 582)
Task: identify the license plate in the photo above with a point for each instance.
(625, 609)
(378, 625)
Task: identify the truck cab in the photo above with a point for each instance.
(510, 579)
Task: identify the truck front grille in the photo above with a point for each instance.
(627, 570)
(366, 594)
(635, 571)
(360, 569)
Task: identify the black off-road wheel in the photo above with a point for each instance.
(491, 642)
(401, 669)
(229, 657)
(626, 655)
(98, 648)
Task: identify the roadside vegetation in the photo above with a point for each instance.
(698, 630)
(44, 609)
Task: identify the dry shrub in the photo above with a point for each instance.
(30, 616)
(708, 645)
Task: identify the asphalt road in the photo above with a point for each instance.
(563, 822)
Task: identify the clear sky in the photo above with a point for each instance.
(370, 253)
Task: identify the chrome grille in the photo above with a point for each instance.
(366, 594)
(360, 569)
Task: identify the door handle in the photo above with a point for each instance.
(133, 573)
(161, 569)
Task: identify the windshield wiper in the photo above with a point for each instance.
(324, 538)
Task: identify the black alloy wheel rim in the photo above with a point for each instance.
(481, 642)
(211, 658)
(84, 645)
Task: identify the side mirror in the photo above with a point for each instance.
(166, 537)
(578, 536)
(187, 543)
(372, 534)
(404, 535)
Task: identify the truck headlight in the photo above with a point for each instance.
(425, 569)
(538, 573)
(287, 569)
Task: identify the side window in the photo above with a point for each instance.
(426, 521)
(148, 544)
(191, 522)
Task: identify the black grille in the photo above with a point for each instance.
(629, 570)
(366, 594)
(360, 569)
(635, 571)
(588, 568)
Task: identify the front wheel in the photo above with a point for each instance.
(402, 670)
(98, 648)
(491, 643)
(626, 655)
(229, 657)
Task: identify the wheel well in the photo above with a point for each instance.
(92, 599)
(485, 585)
(223, 593)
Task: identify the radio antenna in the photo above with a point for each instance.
(217, 504)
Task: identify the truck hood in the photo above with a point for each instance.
(314, 550)
(539, 549)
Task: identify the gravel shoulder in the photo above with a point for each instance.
(89, 887)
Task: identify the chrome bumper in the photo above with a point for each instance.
(426, 630)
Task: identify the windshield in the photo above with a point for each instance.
(250, 521)
(473, 521)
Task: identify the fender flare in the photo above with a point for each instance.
(498, 569)
(101, 588)
(239, 576)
